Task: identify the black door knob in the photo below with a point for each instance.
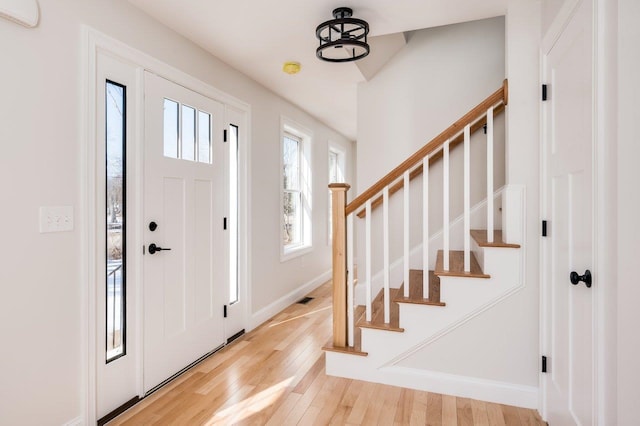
(586, 278)
(153, 226)
(154, 248)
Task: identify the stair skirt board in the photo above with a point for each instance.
(448, 384)
(478, 218)
(423, 324)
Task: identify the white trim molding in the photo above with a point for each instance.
(95, 43)
(264, 314)
(23, 12)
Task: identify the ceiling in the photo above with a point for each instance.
(256, 37)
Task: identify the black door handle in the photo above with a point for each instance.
(586, 278)
(154, 248)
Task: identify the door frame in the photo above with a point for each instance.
(94, 44)
(604, 42)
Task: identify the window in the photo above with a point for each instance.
(115, 220)
(336, 175)
(296, 191)
(187, 133)
(233, 213)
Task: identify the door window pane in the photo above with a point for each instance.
(115, 219)
(204, 137)
(171, 120)
(188, 133)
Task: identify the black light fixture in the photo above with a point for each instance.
(342, 39)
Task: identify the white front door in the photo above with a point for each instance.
(567, 307)
(185, 202)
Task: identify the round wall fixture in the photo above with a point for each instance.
(291, 67)
(342, 39)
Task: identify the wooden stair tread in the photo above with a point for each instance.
(480, 235)
(456, 266)
(357, 338)
(416, 295)
(377, 314)
(344, 349)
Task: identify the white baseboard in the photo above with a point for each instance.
(78, 421)
(438, 382)
(276, 307)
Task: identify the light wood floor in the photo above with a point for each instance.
(275, 376)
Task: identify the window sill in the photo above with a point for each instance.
(293, 252)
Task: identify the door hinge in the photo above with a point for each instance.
(544, 92)
(224, 223)
(544, 364)
(224, 311)
(224, 135)
(544, 228)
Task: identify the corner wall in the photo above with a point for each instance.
(403, 107)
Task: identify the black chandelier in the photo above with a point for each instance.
(343, 38)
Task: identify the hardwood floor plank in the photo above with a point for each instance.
(275, 375)
(495, 415)
(282, 413)
(419, 410)
(434, 409)
(479, 412)
(511, 416)
(346, 403)
(360, 406)
(449, 411)
(374, 408)
(389, 405)
(465, 415)
(405, 406)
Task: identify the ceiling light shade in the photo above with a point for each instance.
(342, 39)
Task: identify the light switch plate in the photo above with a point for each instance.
(56, 219)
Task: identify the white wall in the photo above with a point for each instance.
(436, 78)
(501, 344)
(628, 176)
(40, 277)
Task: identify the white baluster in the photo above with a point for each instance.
(385, 239)
(490, 175)
(445, 205)
(367, 226)
(467, 198)
(406, 233)
(425, 227)
(350, 282)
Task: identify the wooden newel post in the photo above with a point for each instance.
(339, 237)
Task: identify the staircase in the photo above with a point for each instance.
(377, 339)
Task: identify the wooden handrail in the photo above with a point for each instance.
(500, 95)
(435, 157)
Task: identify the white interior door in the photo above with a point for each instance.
(185, 200)
(569, 330)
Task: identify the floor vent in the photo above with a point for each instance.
(305, 300)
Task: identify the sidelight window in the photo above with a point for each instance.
(116, 215)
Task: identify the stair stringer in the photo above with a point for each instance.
(423, 324)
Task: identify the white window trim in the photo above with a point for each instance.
(342, 166)
(289, 126)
